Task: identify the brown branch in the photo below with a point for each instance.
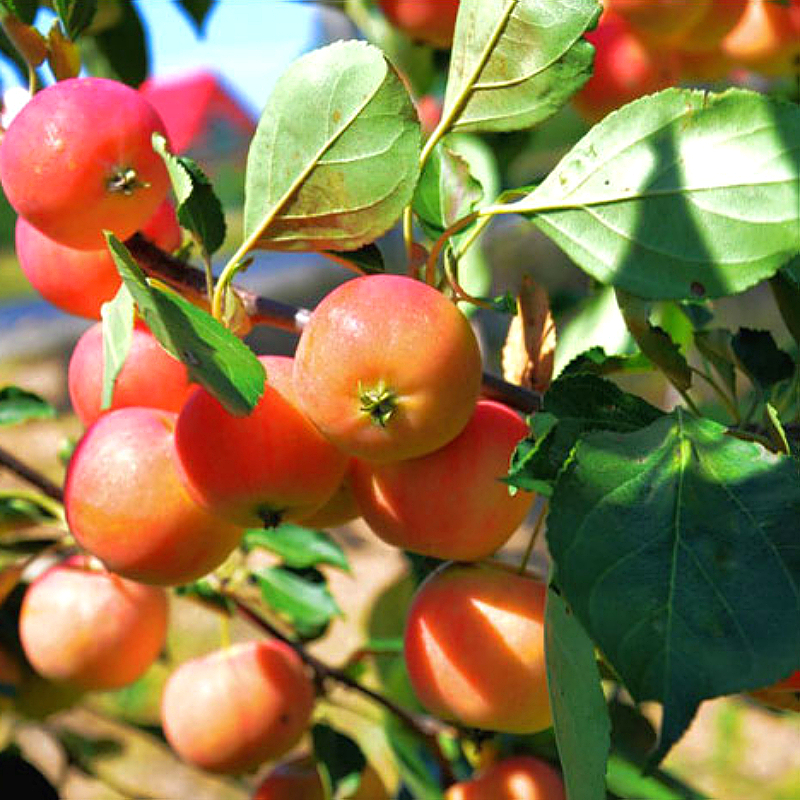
(260, 310)
(32, 476)
(425, 727)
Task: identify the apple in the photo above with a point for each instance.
(93, 167)
(235, 708)
(297, 779)
(429, 21)
(91, 628)
(513, 778)
(449, 504)
(126, 503)
(474, 648)
(387, 368)
(268, 467)
(661, 22)
(149, 377)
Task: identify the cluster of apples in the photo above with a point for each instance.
(378, 414)
(646, 45)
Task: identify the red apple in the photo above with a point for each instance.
(514, 778)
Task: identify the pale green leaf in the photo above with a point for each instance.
(118, 318)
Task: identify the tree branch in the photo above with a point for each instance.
(32, 476)
(260, 310)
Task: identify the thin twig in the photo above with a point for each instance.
(31, 475)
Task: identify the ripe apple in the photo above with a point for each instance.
(268, 467)
(236, 708)
(514, 778)
(449, 504)
(387, 368)
(126, 503)
(719, 19)
(80, 281)
(625, 68)
(767, 38)
(429, 21)
(150, 376)
(297, 779)
(91, 628)
(474, 648)
(661, 22)
(92, 167)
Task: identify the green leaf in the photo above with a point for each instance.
(715, 345)
(580, 714)
(596, 323)
(25, 508)
(214, 357)
(119, 52)
(786, 291)
(197, 11)
(575, 405)
(118, 319)
(368, 259)
(516, 62)
(301, 597)
(413, 761)
(335, 157)
(298, 547)
(25, 10)
(205, 592)
(446, 191)
(626, 779)
(339, 758)
(679, 195)
(199, 209)
(18, 405)
(75, 15)
(676, 546)
(762, 360)
(654, 342)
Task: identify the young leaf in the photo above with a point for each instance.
(298, 547)
(18, 405)
(339, 758)
(75, 15)
(205, 592)
(24, 508)
(580, 714)
(654, 342)
(118, 318)
(676, 547)
(627, 779)
(679, 195)
(302, 598)
(575, 404)
(335, 157)
(516, 62)
(447, 191)
(214, 357)
(199, 210)
(762, 360)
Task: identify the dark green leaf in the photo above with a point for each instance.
(446, 191)
(786, 291)
(580, 715)
(676, 546)
(681, 194)
(118, 318)
(197, 11)
(335, 157)
(504, 303)
(18, 405)
(515, 64)
(75, 15)
(579, 403)
(762, 360)
(120, 52)
(302, 598)
(25, 10)
(214, 357)
(367, 259)
(339, 758)
(199, 209)
(417, 770)
(298, 547)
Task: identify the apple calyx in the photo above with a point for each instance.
(125, 181)
(379, 403)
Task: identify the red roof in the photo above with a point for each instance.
(189, 103)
